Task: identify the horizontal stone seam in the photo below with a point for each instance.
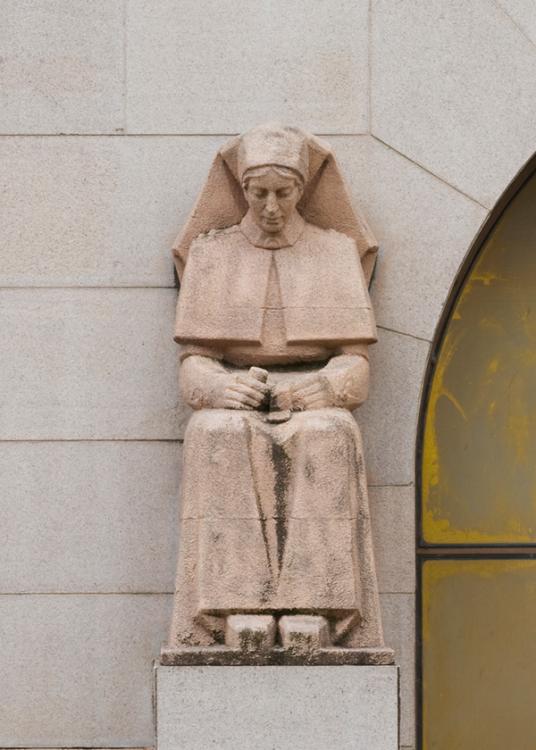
(82, 287)
(411, 593)
(314, 519)
(428, 171)
(393, 484)
(404, 592)
(86, 593)
(127, 134)
(404, 333)
(95, 287)
(91, 440)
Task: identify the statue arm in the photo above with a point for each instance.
(347, 379)
(206, 384)
(342, 382)
(200, 377)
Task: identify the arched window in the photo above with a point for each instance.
(476, 472)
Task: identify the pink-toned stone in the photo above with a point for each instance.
(303, 633)
(250, 632)
(275, 319)
(325, 201)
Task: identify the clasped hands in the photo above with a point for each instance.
(248, 391)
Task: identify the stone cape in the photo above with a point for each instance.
(225, 281)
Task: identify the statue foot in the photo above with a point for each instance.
(304, 633)
(250, 632)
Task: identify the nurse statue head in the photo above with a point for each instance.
(270, 173)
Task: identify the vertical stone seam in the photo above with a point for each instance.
(369, 66)
(155, 697)
(399, 706)
(125, 68)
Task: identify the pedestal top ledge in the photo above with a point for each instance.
(190, 656)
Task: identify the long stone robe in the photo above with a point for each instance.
(275, 516)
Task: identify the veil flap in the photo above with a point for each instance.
(325, 202)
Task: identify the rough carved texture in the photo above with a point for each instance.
(276, 561)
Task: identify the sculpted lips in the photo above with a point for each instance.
(273, 224)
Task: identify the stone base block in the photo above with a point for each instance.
(277, 708)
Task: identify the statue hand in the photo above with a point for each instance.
(312, 392)
(242, 392)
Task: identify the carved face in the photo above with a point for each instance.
(272, 199)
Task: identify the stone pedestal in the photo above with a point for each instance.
(277, 708)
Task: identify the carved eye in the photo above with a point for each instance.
(260, 193)
(284, 192)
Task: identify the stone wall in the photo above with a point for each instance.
(110, 114)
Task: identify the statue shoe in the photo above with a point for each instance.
(250, 632)
(303, 633)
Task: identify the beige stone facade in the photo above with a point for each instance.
(111, 113)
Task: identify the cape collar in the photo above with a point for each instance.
(288, 237)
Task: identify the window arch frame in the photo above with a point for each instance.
(434, 551)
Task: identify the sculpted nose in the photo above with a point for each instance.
(271, 204)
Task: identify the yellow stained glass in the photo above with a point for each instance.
(479, 443)
(479, 654)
